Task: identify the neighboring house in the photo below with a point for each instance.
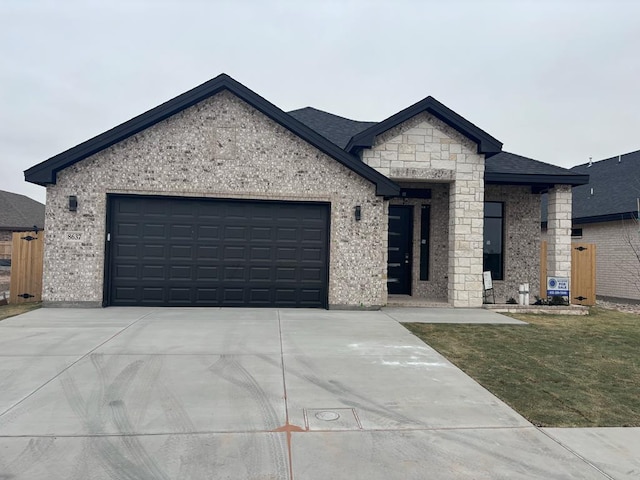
(18, 213)
(218, 197)
(605, 213)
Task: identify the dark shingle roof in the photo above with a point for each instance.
(505, 167)
(338, 130)
(19, 212)
(616, 187)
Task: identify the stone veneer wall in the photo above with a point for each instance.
(426, 149)
(6, 235)
(436, 287)
(220, 147)
(521, 245)
(559, 231)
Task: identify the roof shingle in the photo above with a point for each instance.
(20, 212)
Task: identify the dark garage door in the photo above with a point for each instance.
(210, 252)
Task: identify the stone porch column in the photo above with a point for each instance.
(466, 222)
(559, 232)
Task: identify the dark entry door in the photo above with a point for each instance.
(168, 251)
(399, 258)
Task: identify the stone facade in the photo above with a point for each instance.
(425, 149)
(521, 245)
(559, 232)
(220, 148)
(6, 235)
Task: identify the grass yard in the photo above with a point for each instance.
(559, 371)
(12, 310)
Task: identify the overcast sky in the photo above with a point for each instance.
(558, 81)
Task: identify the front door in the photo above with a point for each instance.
(399, 257)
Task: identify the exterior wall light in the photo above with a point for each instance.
(358, 213)
(73, 203)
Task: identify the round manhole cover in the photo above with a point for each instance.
(327, 416)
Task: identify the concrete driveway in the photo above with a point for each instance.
(135, 393)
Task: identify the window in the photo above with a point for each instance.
(576, 232)
(493, 235)
(425, 222)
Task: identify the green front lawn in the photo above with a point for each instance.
(560, 371)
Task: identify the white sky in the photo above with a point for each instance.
(558, 81)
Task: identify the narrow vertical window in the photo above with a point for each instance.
(493, 239)
(425, 223)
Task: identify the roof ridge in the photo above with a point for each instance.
(329, 113)
(615, 157)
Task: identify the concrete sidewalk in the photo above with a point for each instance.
(449, 315)
(138, 393)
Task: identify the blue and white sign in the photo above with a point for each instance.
(557, 286)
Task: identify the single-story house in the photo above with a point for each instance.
(605, 213)
(218, 197)
(19, 213)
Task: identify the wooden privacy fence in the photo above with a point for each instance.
(26, 267)
(583, 273)
(5, 250)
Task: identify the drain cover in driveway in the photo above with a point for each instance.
(331, 419)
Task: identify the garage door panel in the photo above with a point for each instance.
(311, 255)
(233, 274)
(260, 274)
(153, 272)
(180, 232)
(131, 229)
(150, 230)
(180, 252)
(286, 253)
(206, 296)
(208, 232)
(261, 234)
(125, 250)
(311, 275)
(234, 254)
(310, 296)
(180, 295)
(233, 295)
(207, 273)
(174, 251)
(180, 272)
(287, 234)
(207, 252)
(313, 235)
(126, 271)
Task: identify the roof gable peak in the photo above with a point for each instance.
(45, 173)
(487, 144)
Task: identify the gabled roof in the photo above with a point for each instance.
(18, 212)
(334, 128)
(616, 188)
(509, 168)
(45, 172)
(486, 143)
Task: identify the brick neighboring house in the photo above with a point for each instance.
(19, 213)
(605, 213)
(218, 197)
